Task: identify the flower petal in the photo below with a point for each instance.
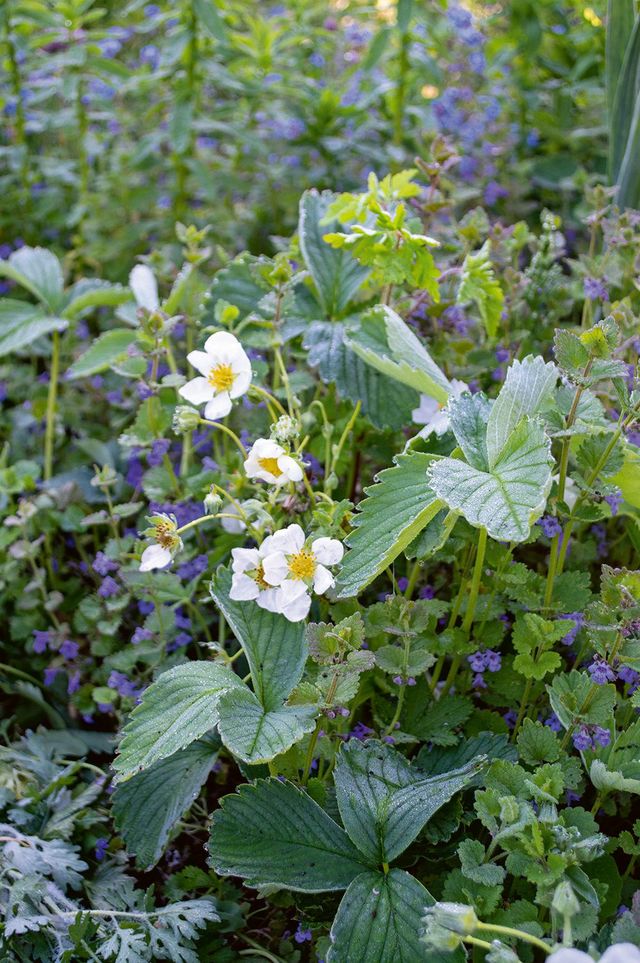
(223, 345)
(275, 568)
(241, 383)
(243, 588)
(201, 361)
(218, 407)
(197, 391)
(322, 580)
(270, 599)
(290, 467)
(244, 559)
(297, 609)
(328, 551)
(144, 287)
(154, 556)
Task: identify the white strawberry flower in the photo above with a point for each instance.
(225, 374)
(144, 286)
(298, 566)
(167, 542)
(248, 583)
(270, 462)
(433, 414)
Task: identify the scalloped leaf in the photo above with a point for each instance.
(508, 499)
(270, 833)
(176, 709)
(395, 511)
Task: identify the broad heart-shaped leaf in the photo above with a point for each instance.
(468, 417)
(336, 274)
(527, 388)
(271, 833)
(39, 271)
(147, 807)
(508, 499)
(22, 323)
(386, 403)
(379, 920)
(384, 803)
(275, 648)
(383, 340)
(255, 734)
(104, 352)
(176, 709)
(395, 510)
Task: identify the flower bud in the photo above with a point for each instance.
(212, 503)
(286, 429)
(565, 900)
(457, 917)
(185, 418)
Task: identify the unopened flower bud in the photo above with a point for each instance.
(286, 429)
(565, 900)
(457, 917)
(212, 503)
(185, 418)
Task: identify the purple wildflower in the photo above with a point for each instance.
(108, 588)
(69, 649)
(141, 635)
(41, 641)
(101, 848)
(601, 672)
(550, 526)
(102, 564)
(601, 736)
(582, 739)
(614, 501)
(595, 289)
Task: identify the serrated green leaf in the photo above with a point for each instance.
(21, 324)
(395, 510)
(147, 807)
(434, 760)
(384, 803)
(275, 648)
(336, 274)
(105, 351)
(438, 724)
(472, 860)
(527, 388)
(256, 735)
(386, 403)
(568, 697)
(38, 271)
(380, 919)
(271, 833)
(383, 340)
(508, 499)
(468, 416)
(176, 709)
(537, 743)
(479, 284)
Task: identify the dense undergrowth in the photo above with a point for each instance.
(320, 483)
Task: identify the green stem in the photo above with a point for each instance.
(469, 616)
(517, 934)
(227, 431)
(49, 433)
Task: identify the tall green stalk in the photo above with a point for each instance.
(50, 426)
(474, 590)
(20, 118)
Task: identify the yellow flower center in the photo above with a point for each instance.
(259, 579)
(303, 565)
(270, 465)
(165, 535)
(221, 377)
